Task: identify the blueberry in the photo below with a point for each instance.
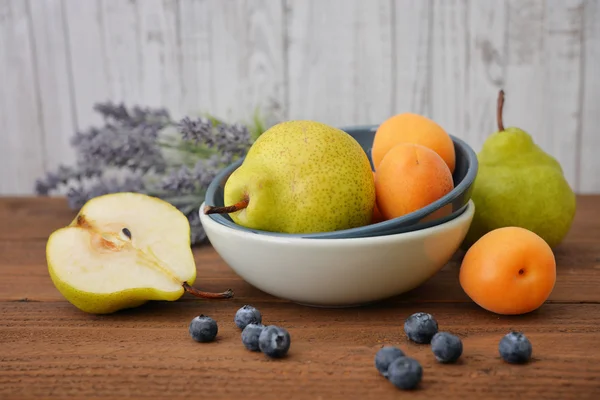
(247, 315)
(447, 348)
(405, 373)
(203, 329)
(515, 348)
(250, 336)
(420, 327)
(384, 358)
(274, 341)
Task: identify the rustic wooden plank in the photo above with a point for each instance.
(467, 66)
(122, 57)
(22, 147)
(248, 61)
(486, 57)
(159, 54)
(339, 64)
(89, 73)
(450, 67)
(50, 350)
(53, 75)
(195, 56)
(32, 218)
(411, 74)
(23, 265)
(543, 76)
(26, 224)
(233, 58)
(589, 163)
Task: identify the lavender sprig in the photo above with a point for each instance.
(132, 143)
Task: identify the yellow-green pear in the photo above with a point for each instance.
(301, 177)
(518, 184)
(122, 250)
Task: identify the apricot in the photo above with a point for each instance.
(377, 217)
(409, 177)
(412, 128)
(509, 271)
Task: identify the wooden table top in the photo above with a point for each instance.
(49, 349)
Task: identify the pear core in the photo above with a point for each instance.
(121, 250)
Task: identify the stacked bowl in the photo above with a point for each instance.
(348, 267)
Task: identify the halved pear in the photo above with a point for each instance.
(121, 251)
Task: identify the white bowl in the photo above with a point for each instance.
(338, 272)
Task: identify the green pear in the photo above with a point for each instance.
(518, 184)
(301, 177)
(122, 250)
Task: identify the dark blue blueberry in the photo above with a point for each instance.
(420, 327)
(405, 373)
(274, 341)
(250, 336)
(384, 358)
(515, 348)
(247, 315)
(447, 348)
(203, 329)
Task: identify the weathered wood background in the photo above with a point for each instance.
(342, 62)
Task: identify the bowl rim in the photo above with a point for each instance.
(456, 192)
(309, 243)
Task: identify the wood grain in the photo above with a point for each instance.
(562, 80)
(49, 349)
(160, 54)
(53, 74)
(450, 67)
(52, 351)
(412, 64)
(22, 136)
(589, 163)
(87, 59)
(339, 62)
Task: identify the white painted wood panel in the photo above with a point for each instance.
(450, 67)
(88, 59)
(589, 163)
(412, 64)
(340, 62)
(22, 131)
(561, 97)
(53, 75)
(247, 58)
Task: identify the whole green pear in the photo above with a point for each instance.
(301, 177)
(518, 184)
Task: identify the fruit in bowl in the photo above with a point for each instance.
(419, 193)
(301, 177)
(339, 272)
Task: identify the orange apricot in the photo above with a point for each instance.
(377, 217)
(509, 271)
(412, 128)
(409, 177)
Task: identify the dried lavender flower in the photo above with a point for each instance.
(131, 141)
(119, 114)
(134, 147)
(234, 139)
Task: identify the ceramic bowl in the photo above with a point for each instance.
(445, 209)
(338, 272)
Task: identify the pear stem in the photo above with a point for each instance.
(499, 108)
(227, 209)
(207, 295)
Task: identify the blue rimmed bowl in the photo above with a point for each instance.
(440, 211)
